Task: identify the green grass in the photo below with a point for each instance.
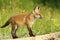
(50, 22)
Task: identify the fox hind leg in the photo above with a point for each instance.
(13, 31)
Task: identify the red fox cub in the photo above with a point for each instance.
(23, 19)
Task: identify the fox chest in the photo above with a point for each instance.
(31, 23)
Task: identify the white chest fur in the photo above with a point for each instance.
(32, 22)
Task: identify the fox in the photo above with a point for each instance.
(23, 19)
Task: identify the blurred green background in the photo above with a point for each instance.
(50, 9)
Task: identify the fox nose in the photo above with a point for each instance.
(41, 17)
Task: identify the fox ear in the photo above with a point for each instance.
(36, 8)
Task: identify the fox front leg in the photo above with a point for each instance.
(30, 31)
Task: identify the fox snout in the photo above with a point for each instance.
(41, 16)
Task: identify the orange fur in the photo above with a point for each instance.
(23, 19)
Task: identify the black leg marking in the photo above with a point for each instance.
(13, 32)
(30, 31)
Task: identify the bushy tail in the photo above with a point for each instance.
(6, 24)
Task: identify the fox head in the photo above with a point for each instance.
(37, 13)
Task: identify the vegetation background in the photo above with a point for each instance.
(50, 9)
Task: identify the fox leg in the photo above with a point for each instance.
(13, 31)
(30, 31)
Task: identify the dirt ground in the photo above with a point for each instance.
(51, 36)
